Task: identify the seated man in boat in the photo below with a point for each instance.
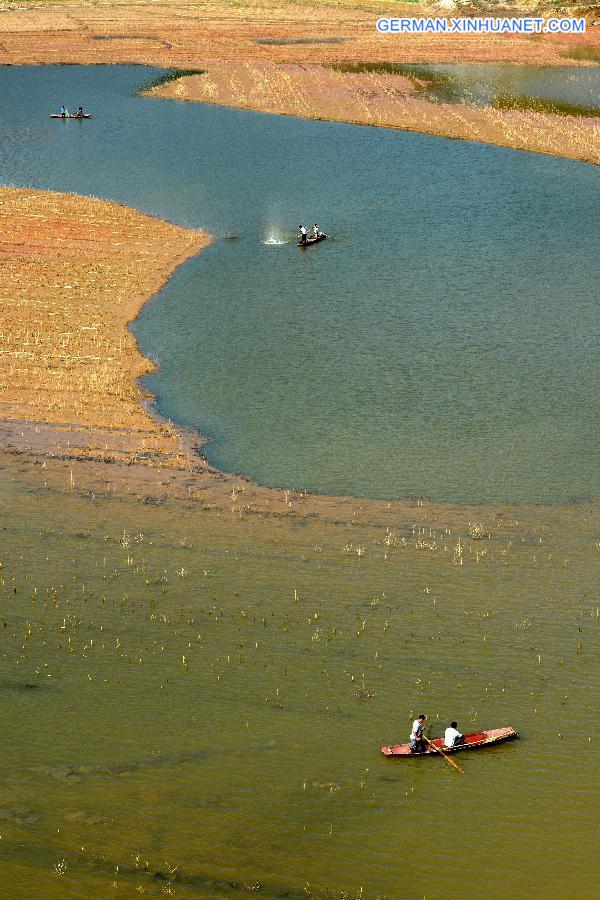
(79, 113)
(452, 737)
(303, 233)
(316, 231)
(417, 741)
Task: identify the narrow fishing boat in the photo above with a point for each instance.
(59, 116)
(472, 742)
(312, 240)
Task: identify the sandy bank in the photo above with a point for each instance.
(317, 92)
(74, 272)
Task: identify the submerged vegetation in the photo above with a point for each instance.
(198, 697)
(167, 77)
(541, 105)
(423, 79)
(584, 53)
(282, 42)
(449, 87)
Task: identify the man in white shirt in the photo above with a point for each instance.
(452, 737)
(417, 741)
(303, 233)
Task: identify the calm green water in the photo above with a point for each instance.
(445, 343)
(210, 693)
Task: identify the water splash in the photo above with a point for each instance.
(274, 236)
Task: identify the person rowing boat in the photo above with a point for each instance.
(64, 111)
(315, 237)
(474, 741)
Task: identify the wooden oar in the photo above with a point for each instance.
(447, 758)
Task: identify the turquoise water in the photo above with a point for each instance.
(445, 343)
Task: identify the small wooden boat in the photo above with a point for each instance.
(312, 240)
(58, 116)
(472, 742)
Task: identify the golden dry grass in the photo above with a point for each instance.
(74, 271)
(167, 33)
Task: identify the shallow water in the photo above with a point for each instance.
(488, 83)
(573, 90)
(208, 694)
(444, 344)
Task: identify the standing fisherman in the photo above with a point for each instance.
(417, 741)
(63, 111)
(303, 234)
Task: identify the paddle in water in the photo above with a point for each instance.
(447, 758)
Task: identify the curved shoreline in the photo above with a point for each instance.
(76, 271)
(72, 414)
(381, 100)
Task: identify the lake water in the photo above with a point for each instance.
(444, 343)
(195, 701)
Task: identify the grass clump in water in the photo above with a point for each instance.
(171, 75)
(282, 42)
(586, 54)
(538, 104)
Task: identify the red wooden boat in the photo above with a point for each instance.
(472, 742)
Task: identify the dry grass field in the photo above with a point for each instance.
(169, 33)
(73, 272)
